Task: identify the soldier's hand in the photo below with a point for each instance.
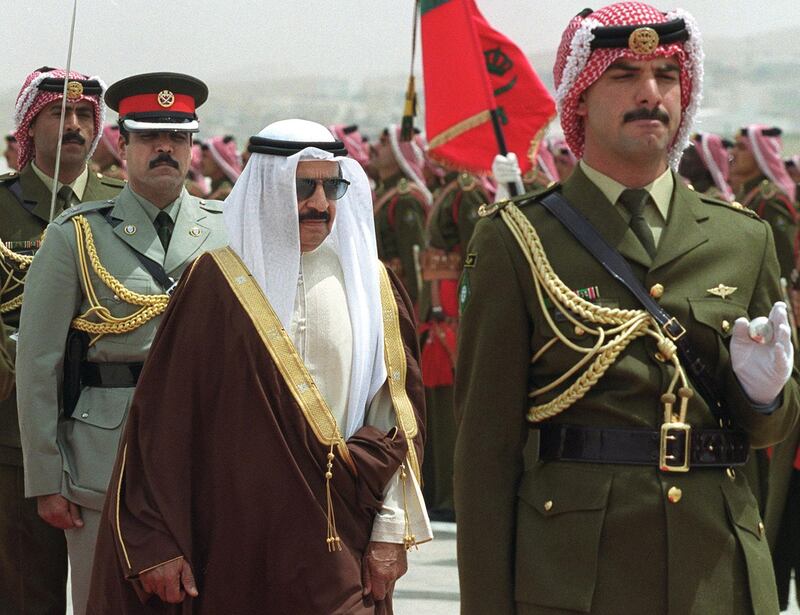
(506, 171)
(383, 564)
(171, 581)
(59, 512)
(763, 363)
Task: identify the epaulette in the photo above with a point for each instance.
(111, 182)
(83, 208)
(489, 209)
(467, 182)
(735, 205)
(9, 176)
(210, 205)
(767, 189)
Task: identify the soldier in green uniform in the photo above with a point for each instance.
(401, 207)
(33, 556)
(767, 189)
(634, 503)
(450, 225)
(705, 165)
(97, 288)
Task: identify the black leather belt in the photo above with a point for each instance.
(110, 375)
(706, 447)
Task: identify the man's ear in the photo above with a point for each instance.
(123, 147)
(580, 109)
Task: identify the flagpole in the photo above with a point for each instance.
(63, 113)
(501, 146)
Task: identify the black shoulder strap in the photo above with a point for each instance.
(618, 267)
(152, 267)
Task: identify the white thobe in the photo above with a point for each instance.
(322, 334)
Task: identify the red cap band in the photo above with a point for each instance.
(164, 101)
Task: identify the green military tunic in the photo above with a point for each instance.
(400, 215)
(33, 557)
(450, 226)
(772, 205)
(539, 537)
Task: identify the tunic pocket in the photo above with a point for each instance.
(91, 437)
(560, 516)
(749, 530)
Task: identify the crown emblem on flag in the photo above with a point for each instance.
(166, 98)
(643, 41)
(497, 61)
(74, 90)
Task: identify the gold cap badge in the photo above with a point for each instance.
(74, 90)
(166, 98)
(643, 41)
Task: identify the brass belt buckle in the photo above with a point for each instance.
(672, 433)
(673, 322)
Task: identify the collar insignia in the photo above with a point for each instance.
(722, 291)
(643, 41)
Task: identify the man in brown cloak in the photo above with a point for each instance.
(271, 458)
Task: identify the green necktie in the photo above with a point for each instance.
(635, 201)
(66, 197)
(164, 226)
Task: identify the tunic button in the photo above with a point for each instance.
(548, 505)
(760, 528)
(579, 330)
(726, 326)
(656, 291)
(674, 495)
(731, 473)
(85, 415)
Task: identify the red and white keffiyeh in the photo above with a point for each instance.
(223, 151)
(578, 66)
(766, 150)
(31, 100)
(357, 148)
(714, 155)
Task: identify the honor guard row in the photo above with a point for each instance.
(96, 292)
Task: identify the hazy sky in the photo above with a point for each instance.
(217, 38)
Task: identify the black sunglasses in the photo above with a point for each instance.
(334, 187)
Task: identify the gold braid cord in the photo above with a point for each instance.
(150, 306)
(13, 267)
(615, 330)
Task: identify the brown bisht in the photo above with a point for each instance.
(219, 465)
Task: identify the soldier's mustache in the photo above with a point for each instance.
(313, 214)
(73, 137)
(646, 114)
(163, 159)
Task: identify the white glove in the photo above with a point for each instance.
(763, 367)
(506, 171)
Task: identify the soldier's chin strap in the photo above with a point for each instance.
(54, 190)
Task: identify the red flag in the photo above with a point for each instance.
(469, 70)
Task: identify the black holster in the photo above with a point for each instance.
(74, 356)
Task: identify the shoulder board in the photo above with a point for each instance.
(9, 176)
(83, 208)
(210, 205)
(486, 210)
(735, 205)
(112, 182)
